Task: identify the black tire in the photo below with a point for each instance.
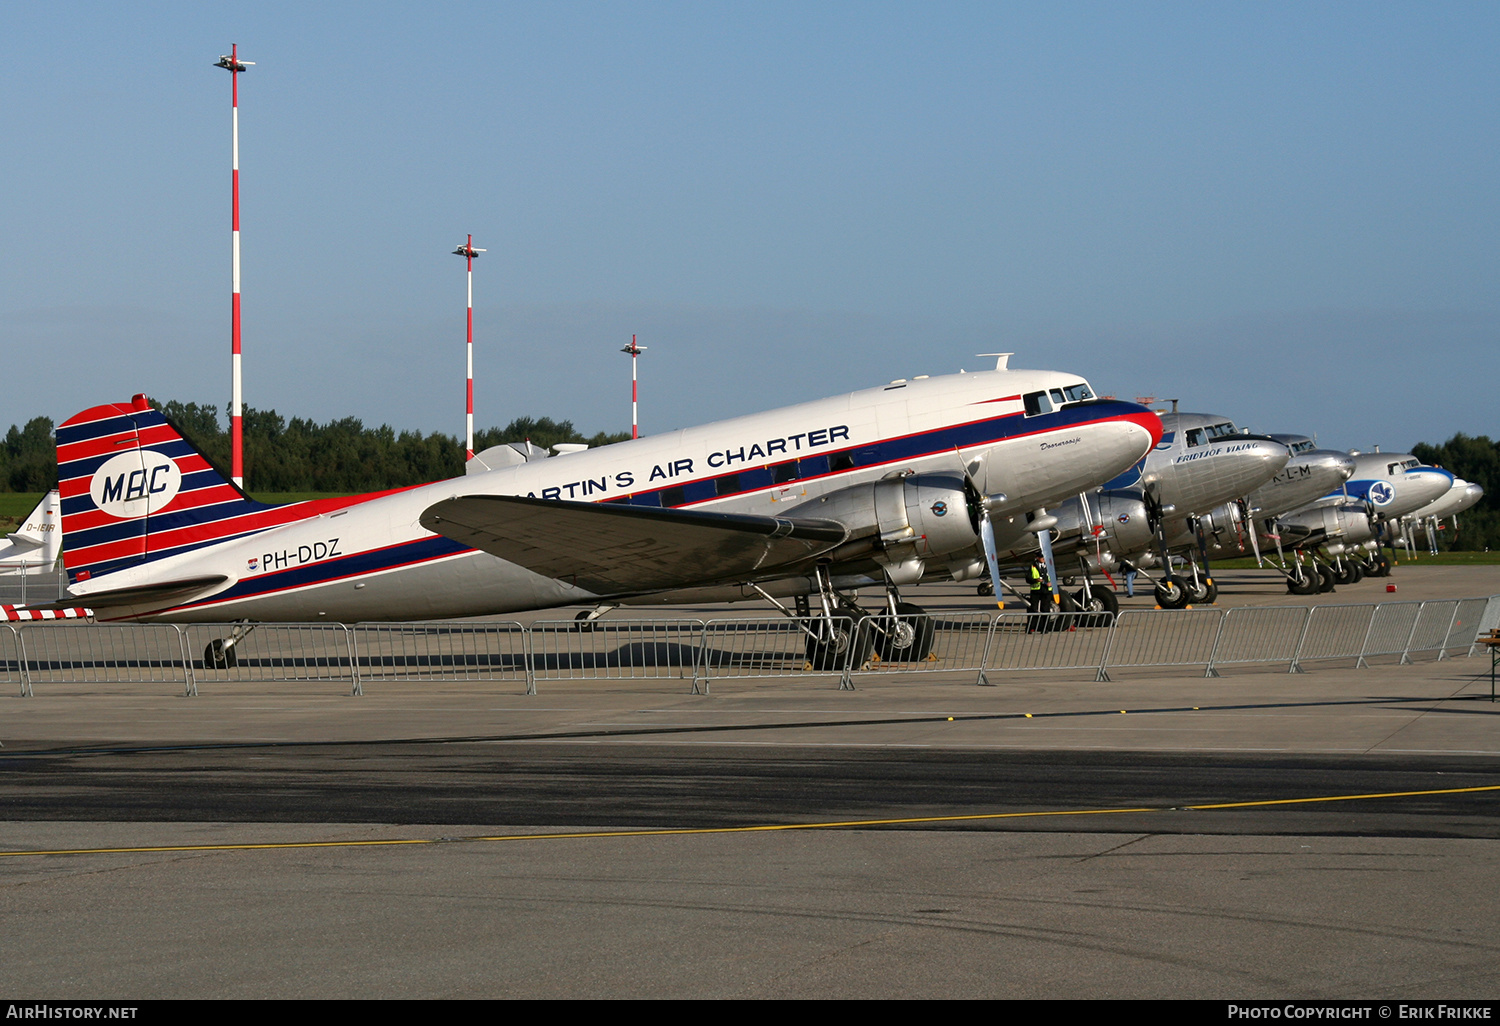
(910, 641)
(826, 656)
(1171, 592)
(1326, 582)
(1199, 594)
(1304, 583)
(986, 589)
(1344, 572)
(217, 656)
(1103, 604)
(1382, 567)
(1356, 571)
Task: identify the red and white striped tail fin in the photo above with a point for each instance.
(134, 490)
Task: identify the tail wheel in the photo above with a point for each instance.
(1171, 593)
(219, 656)
(986, 588)
(908, 640)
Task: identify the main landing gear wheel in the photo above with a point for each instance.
(1102, 601)
(909, 640)
(1382, 568)
(219, 656)
(825, 654)
(1325, 579)
(1171, 592)
(1200, 592)
(1347, 573)
(1304, 583)
(1356, 571)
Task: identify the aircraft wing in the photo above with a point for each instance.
(611, 549)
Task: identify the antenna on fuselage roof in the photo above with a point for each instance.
(1001, 359)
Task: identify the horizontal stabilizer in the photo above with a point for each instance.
(165, 594)
(611, 549)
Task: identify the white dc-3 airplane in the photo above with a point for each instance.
(880, 486)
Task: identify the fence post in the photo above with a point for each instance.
(189, 684)
(989, 640)
(1102, 677)
(1360, 664)
(528, 647)
(26, 691)
(1214, 652)
(356, 687)
(1406, 649)
(1296, 666)
(700, 660)
(1443, 652)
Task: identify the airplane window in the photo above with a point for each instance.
(729, 484)
(840, 461)
(1302, 447)
(1037, 402)
(1221, 430)
(784, 472)
(1195, 436)
(673, 496)
(1057, 396)
(1078, 393)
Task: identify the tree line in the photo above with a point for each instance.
(300, 455)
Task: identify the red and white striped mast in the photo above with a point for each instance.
(469, 253)
(231, 63)
(634, 351)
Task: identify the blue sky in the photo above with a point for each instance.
(1282, 212)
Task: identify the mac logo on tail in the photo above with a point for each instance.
(135, 484)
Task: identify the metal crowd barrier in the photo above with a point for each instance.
(615, 650)
(699, 652)
(314, 652)
(783, 648)
(1259, 634)
(442, 652)
(1046, 641)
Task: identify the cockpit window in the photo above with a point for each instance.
(1195, 436)
(1222, 430)
(1057, 396)
(1037, 402)
(1303, 446)
(1402, 467)
(1079, 392)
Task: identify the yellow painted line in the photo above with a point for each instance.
(1347, 797)
(767, 828)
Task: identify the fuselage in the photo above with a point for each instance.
(371, 559)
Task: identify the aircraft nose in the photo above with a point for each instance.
(1344, 464)
(1474, 493)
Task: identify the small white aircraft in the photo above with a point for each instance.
(883, 486)
(35, 545)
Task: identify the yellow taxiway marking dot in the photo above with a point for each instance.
(768, 828)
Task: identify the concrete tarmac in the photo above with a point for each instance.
(619, 839)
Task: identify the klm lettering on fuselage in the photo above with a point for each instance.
(774, 450)
(1220, 451)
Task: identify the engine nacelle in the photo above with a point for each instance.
(900, 519)
(1120, 520)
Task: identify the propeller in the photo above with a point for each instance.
(979, 514)
(1044, 538)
